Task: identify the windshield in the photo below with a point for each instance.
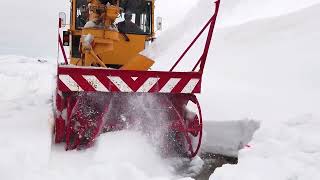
(135, 16)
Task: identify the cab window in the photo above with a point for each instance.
(82, 13)
(141, 15)
(139, 10)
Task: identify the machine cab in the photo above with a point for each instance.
(120, 28)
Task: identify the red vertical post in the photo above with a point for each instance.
(209, 38)
(60, 23)
(62, 49)
(60, 44)
(68, 123)
(59, 127)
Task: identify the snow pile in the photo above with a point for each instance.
(172, 42)
(289, 150)
(136, 154)
(228, 137)
(121, 155)
(173, 12)
(118, 155)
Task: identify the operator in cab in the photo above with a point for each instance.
(135, 6)
(127, 26)
(83, 17)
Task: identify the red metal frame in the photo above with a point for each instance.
(77, 73)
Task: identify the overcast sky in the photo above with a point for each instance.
(30, 27)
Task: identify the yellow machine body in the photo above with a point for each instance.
(104, 45)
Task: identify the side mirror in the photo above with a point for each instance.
(159, 23)
(62, 19)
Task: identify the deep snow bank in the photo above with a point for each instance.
(235, 12)
(282, 81)
(264, 69)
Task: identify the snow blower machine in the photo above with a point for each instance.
(106, 85)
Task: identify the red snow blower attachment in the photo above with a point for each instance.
(106, 85)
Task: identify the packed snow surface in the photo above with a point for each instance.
(263, 65)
